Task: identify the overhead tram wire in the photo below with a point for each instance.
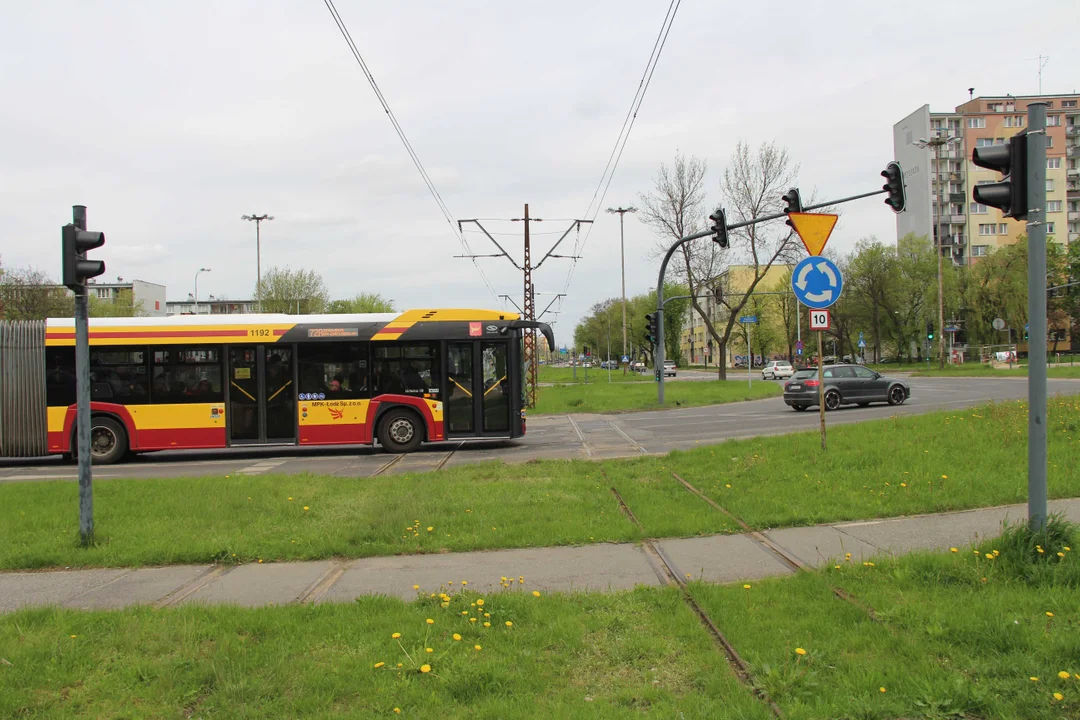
(624, 135)
(447, 215)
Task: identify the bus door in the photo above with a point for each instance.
(262, 395)
(478, 393)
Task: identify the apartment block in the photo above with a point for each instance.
(934, 149)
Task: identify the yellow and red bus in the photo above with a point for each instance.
(219, 381)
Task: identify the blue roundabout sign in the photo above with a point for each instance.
(817, 282)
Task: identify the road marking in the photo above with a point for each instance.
(262, 467)
(581, 436)
(632, 441)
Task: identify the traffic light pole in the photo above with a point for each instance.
(82, 398)
(1036, 229)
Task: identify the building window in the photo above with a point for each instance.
(1053, 206)
(1049, 228)
(186, 374)
(1003, 229)
(978, 209)
(337, 370)
(1053, 163)
(1014, 121)
(1049, 185)
(1053, 120)
(995, 107)
(988, 229)
(1068, 103)
(979, 250)
(999, 141)
(977, 122)
(983, 142)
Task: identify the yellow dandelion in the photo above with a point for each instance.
(997, 553)
(953, 550)
(397, 710)
(472, 619)
(379, 664)
(456, 636)
(881, 689)
(480, 602)
(396, 635)
(425, 668)
(74, 636)
(1033, 679)
(415, 587)
(800, 651)
(464, 612)
(1049, 614)
(903, 484)
(477, 648)
(464, 582)
(728, 486)
(1058, 696)
(431, 529)
(1068, 549)
(487, 624)
(487, 614)
(444, 604)
(989, 556)
(521, 579)
(1064, 675)
(430, 621)
(306, 507)
(536, 593)
(1061, 554)
(290, 498)
(429, 650)
(509, 624)
(836, 567)
(746, 587)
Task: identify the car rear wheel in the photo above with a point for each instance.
(832, 400)
(897, 395)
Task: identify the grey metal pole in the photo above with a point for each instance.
(258, 264)
(82, 399)
(622, 261)
(749, 358)
(1036, 229)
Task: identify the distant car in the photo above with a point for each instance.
(844, 385)
(669, 368)
(777, 369)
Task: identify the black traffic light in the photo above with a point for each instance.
(585, 350)
(792, 203)
(894, 185)
(77, 269)
(1009, 195)
(719, 227)
(929, 331)
(650, 328)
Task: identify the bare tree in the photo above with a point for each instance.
(30, 294)
(674, 209)
(752, 186)
(293, 292)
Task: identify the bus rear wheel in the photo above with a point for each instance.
(108, 441)
(400, 431)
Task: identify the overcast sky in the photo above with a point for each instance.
(170, 120)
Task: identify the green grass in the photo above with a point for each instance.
(564, 375)
(898, 466)
(979, 370)
(604, 397)
(960, 636)
(881, 468)
(580, 656)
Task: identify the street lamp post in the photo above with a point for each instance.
(622, 261)
(258, 255)
(200, 270)
(937, 143)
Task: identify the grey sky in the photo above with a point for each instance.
(170, 120)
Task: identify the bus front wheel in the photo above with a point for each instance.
(400, 431)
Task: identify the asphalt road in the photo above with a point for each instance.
(551, 436)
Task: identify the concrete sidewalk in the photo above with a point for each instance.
(717, 558)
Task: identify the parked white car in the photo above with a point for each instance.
(777, 369)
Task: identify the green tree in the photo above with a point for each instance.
(123, 305)
(917, 292)
(871, 280)
(293, 292)
(996, 287)
(362, 303)
(30, 294)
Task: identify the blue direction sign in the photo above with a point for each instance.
(748, 319)
(626, 358)
(817, 282)
(798, 351)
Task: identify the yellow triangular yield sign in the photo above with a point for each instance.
(814, 229)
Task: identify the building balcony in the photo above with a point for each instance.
(1073, 237)
(1074, 216)
(957, 219)
(958, 197)
(1072, 151)
(1072, 130)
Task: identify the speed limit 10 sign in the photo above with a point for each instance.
(819, 319)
